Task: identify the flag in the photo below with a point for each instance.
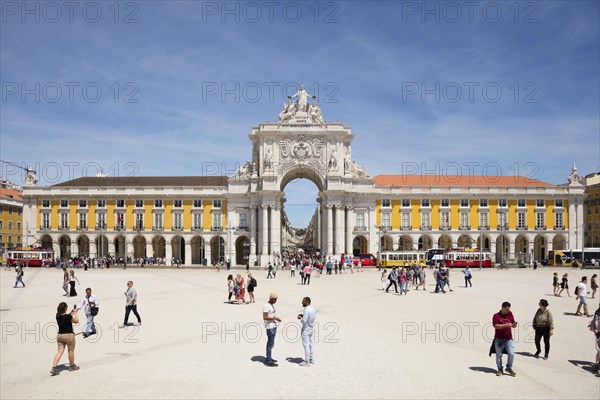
(446, 218)
(119, 218)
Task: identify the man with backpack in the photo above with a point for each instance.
(89, 305)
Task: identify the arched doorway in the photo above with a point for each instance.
(405, 243)
(64, 243)
(387, 243)
(360, 245)
(178, 246)
(502, 248)
(425, 243)
(46, 242)
(242, 250)
(521, 245)
(139, 247)
(101, 246)
(120, 250)
(465, 241)
(158, 246)
(559, 243)
(445, 242)
(540, 247)
(217, 249)
(83, 246)
(486, 243)
(198, 252)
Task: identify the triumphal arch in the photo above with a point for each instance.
(301, 145)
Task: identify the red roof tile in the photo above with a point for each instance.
(10, 194)
(458, 181)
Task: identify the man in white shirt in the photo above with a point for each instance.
(308, 323)
(582, 294)
(88, 301)
(270, 319)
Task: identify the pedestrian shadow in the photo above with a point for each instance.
(294, 360)
(587, 366)
(260, 359)
(572, 314)
(525, 354)
(486, 370)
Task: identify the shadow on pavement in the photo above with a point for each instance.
(260, 359)
(525, 354)
(483, 369)
(294, 360)
(587, 366)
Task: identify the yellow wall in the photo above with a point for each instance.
(207, 217)
(415, 206)
(454, 214)
(396, 214)
(168, 214)
(16, 219)
(188, 221)
(435, 214)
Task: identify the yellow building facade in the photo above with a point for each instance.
(11, 217)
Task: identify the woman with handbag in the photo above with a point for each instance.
(543, 324)
(65, 337)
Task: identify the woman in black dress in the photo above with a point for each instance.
(564, 285)
(65, 337)
(72, 281)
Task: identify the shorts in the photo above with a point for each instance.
(67, 339)
(583, 300)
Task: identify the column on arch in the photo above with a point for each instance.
(276, 230)
(149, 249)
(349, 229)
(339, 231)
(188, 252)
(252, 233)
(265, 230)
(329, 228)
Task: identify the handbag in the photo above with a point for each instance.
(94, 310)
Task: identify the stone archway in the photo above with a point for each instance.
(465, 241)
(139, 247)
(486, 243)
(217, 249)
(521, 245)
(198, 252)
(242, 250)
(178, 248)
(83, 246)
(445, 242)
(540, 247)
(360, 245)
(120, 250)
(425, 243)
(387, 243)
(559, 243)
(158, 247)
(64, 243)
(101, 246)
(46, 242)
(502, 248)
(405, 243)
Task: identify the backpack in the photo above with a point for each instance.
(253, 282)
(577, 290)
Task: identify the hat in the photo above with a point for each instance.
(273, 295)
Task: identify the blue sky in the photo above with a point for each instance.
(398, 73)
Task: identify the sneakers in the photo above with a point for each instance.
(499, 372)
(304, 364)
(537, 354)
(73, 367)
(271, 364)
(511, 372)
(54, 371)
(312, 361)
(546, 357)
